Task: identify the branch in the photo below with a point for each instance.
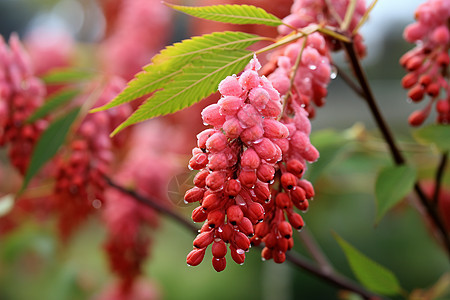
(153, 203)
(293, 257)
(438, 178)
(349, 82)
(395, 151)
(315, 251)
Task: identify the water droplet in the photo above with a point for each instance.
(240, 251)
(206, 124)
(312, 67)
(334, 72)
(241, 264)
(220, 229)
(185, 202)
(239, 200)
(408, 100)
(303, 105)
(257, 141)
(263, 259)
(97, 204)
(272, 181)
(190, 168)
(300, 230)
(217, 240)
(189, 265)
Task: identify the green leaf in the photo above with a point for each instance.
(392, 185)
(372, 275)
(437, 135)
(198, 80)
(172, 60)
(47, 146)
(331, 144)
(53, 102)
(235, 14)
(67, 75)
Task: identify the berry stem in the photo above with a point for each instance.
(295, 258)
(349, 81)
(387, 135)
(438, 179)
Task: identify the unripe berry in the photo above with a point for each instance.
(246, 227)
(204, 239)
(230, 105)
(216, 142)
(219, 249)
(278, 256)
(212, 116)
(283, 201)
(230, 86)
(232, 187)
(203, 136)
(249, 79)
(295, 167)
(259, 97)
(285, 229)
(219, 264)
(195, 257)
(226, 232)
(296, 220)
(266, 253)
(238, 255)
(199, 215)
(274, 129)
(215, 180)
(255, 212)
(265, 173)
(215, 218)
(253, 133)
(262, 229)
(234, 214)
(250, 159)
(247, 178)
(307, 187)
(288, 180)
(210, 202)
(232, 128)
(241, 241)
(193, 195)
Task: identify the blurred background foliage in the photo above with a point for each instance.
(35, 265)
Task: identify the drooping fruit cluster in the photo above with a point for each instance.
(127, 220)
(292, 191)
(79, 183)
(331, 13)
(236, 160)
(427, 63)
(20, 94)
(313, 72)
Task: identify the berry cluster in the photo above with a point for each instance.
(79, 176)
(236, 159)
(20, 94)
(313, 73)
(427, 64)
(331, 13)
(293, 191)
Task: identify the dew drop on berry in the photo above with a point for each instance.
(97, 204)
(312, 67)
(333, 73)
(240, 251)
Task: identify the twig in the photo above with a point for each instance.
(395, 151)
(349, 82)
(335, 279)
(316, 252)
(301, 262)
(438, 178)
(153, 203)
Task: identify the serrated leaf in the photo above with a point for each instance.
(235, 14)
(47, 146)
(392, 185)
(169, 63)
(67, 75)
(198, 80)
(437, 135)
(53, 102)
(372, 275)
